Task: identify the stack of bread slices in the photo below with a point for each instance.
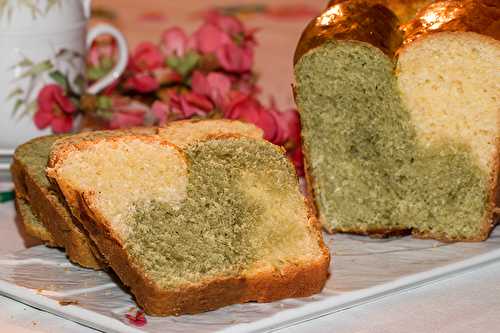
(191, 217)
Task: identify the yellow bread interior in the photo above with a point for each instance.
(120, 172)
(450, 83)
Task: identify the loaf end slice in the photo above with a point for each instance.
(32, 224)
(47, 204)
(221, 221)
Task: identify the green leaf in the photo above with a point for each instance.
(104, 103)
(37, 69)
(25, 63)
(14, 93)
(59, 78)
(107, 64)
(173, 61)
(188, 63)
(184, 65)
(17, 106)
(95, 73)
(29, 109)
(52, 3)
(79, 82)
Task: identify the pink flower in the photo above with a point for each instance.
(55, 109)
(174, 42)
(138, 318)
(100, 51)
(146, 57)
(229, 24)
(215, 85)
(161, 111)
(209, 38)
(288, 126)
(166, 75)
(226, 37)
(247, 108)
(142, 83)
(126, 113)
(234, 58)
(189, 104)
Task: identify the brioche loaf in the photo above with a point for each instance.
(400, 120)
(216, 220)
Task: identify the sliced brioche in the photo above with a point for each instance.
(57, 226)
(221, 221)
(185, 132)
(32, 224)
(409, 144)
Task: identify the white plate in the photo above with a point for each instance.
(4, 167)
(363, 270)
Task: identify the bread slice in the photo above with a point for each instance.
(58, 227)
(218, 222)
(185, 132)
(404, 144)
(32, 224)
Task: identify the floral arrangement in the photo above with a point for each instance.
(208, 74)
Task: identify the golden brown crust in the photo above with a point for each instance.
(479, 16)
(56, 218)
(404, 9)
(35, 230)
(354, 20)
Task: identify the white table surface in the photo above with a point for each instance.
(465, 303)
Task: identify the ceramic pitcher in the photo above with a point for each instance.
(37, 39)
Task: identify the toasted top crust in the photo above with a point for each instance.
(359, 20)
(376, 22)
(404, 9)
(185, 132)
(480, 16)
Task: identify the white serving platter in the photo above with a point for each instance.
(362, 270)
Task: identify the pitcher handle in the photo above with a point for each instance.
(121, 64)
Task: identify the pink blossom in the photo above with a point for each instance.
(174, 41)
(100, 51)
(166, 75)
(234, 58)
(229, 24)
(142, 83)
(55, 109)
(146, 57)
(208, 38)
(126, 112)
(288, 126)
(160, 110)
(226, 37)
(189, 104)
(215, 85)
(247, 108)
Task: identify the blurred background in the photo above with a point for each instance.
(279, 24)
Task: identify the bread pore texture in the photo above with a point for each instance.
(114, 175)
(218, 222)
(406, 143)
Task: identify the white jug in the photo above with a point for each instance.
(37, 38)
